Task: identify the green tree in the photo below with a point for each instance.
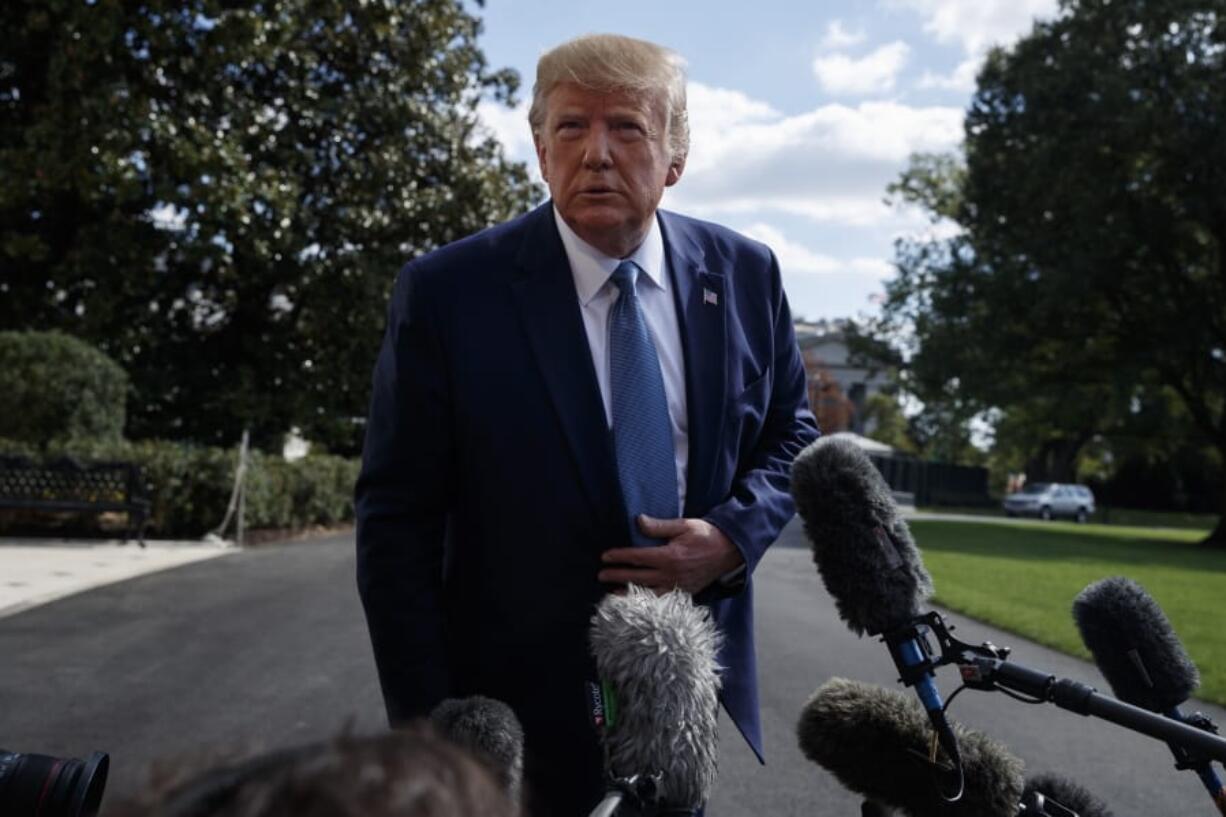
(890, 426)
(942, 428)
(1090, 270)
(969, 346)
(57, 389)
(218, 195)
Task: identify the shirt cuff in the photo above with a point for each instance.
(734, 580)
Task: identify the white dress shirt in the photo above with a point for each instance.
(592, 270)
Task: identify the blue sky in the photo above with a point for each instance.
(801, 113)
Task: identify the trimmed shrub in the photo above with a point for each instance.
(189, 485)
(315, 490)
(54, 387)
(18, 448)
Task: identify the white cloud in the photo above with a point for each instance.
(979, 24)
(830, 164)
(962, 79)
(839, 37)
(508, 125)
(793, 256)
(707, 105)
(879, 269)
(796, 258)
(873, 73)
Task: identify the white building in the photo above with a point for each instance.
(838, 388)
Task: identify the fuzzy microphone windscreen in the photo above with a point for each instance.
(658, 653)
(1067, 793)
(1134, 645)
(490, 730)
(876, 742)
(861, 546)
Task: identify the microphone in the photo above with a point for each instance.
(489, 729)
(862, 548)
(1050, 795)
(656, 657)
(1134, 645)
(1141, 657)
(868, 560)
(876, 742)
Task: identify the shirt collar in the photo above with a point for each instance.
(592, 268)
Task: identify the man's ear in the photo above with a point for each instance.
(674, 172)
(541, 157)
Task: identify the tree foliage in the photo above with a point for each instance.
(1089, 275)
(219, 194)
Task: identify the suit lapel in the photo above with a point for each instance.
(701, 312)
(544, 293)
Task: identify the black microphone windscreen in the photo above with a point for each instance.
(876, 742)
(659, 655)
(1068, 794)
(861, 546)
(490, 730)
(1134, 645)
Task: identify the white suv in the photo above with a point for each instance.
(1047, 500)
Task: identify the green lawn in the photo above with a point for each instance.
(1023, 577)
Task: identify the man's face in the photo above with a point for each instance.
(607, 162)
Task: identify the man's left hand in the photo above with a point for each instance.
(695, 554)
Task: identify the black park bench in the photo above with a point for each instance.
(70, 485)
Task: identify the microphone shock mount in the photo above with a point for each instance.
(986, 667)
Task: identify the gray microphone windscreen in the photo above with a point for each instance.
(862, 548)
(1134, 645)
(489, 729)
(876, 742)
(659, 655)
(1068, 794)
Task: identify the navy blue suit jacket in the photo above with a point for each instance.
(489, 489)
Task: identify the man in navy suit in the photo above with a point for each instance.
(593, 394)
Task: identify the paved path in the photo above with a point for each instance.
(38, 571)
(267, 647)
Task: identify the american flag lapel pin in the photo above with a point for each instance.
(710, 297)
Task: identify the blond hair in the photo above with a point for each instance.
(611, 62)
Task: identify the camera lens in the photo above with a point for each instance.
(45, 786)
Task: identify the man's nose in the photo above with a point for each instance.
(596, 148)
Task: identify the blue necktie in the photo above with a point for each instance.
(642, 432)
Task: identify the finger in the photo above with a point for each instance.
(646, 557)
(623, 575)
(661, 528)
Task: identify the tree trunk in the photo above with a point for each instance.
(1057, 460)
(1217, 537)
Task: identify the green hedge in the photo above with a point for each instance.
(190, 485)
(56, 387)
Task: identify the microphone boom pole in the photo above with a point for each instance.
(985, 668)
